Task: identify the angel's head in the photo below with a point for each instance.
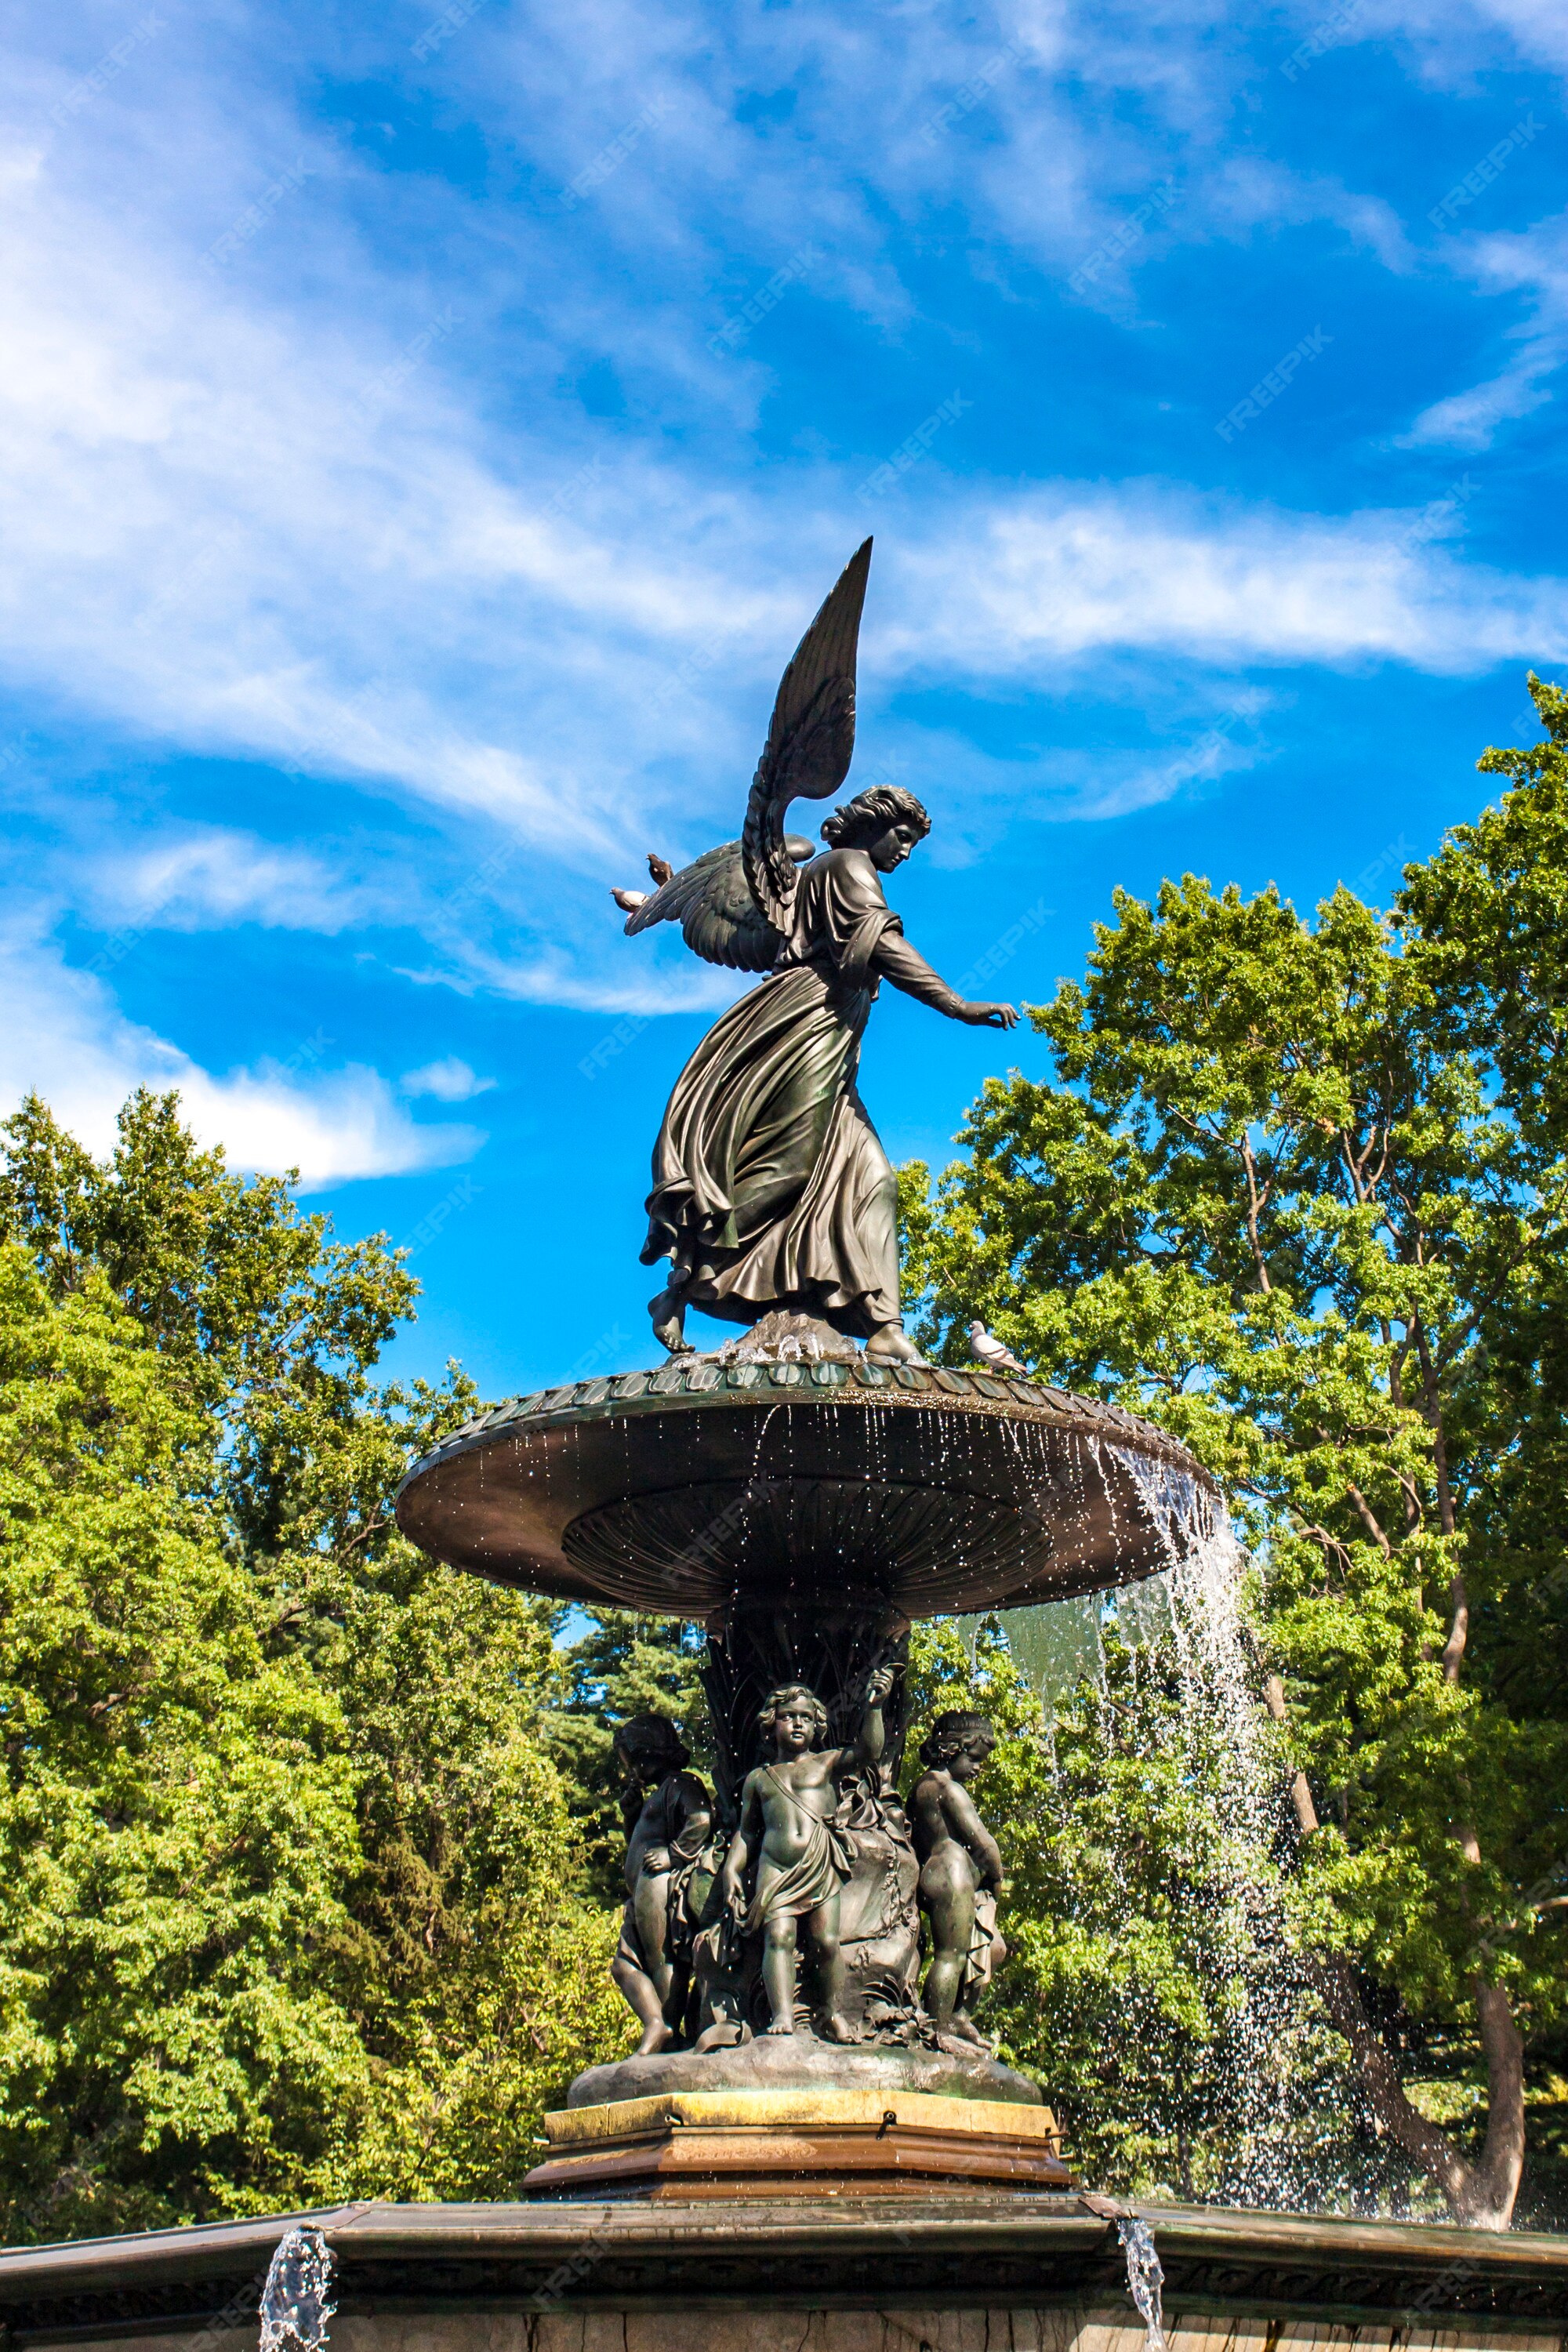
(885, 821)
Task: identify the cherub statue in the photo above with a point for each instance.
(770, 1188)
(666, 1833)
(802, 1859)
(961, 1871)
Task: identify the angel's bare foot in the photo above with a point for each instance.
(668, 1314)
(965, 2028)
(839, 2028)
(891, 1344)
(782, 2025)
(658, 2037)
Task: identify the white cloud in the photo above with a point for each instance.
(1535, 265)
(64, 1039)
(449, 1080)
(1001, 587)
(1470, 420)
(208, 878)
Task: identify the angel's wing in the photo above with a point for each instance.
(811, 740)
(717, 913)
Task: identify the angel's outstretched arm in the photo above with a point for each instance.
(895, 960)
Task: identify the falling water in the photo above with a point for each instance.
(1288, 2125)
(296, 2302)
(1145, 2277)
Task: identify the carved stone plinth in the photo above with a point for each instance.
(684, 2146)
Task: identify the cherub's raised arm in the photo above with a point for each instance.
(896, 960)
(867, 1746)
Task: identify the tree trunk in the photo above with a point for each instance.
(1481, 2195)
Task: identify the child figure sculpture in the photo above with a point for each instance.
(666, 1833)
(960, 1872)
(802, 1858)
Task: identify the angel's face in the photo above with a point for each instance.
(890, 848)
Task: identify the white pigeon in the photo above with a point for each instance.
(990, 1351)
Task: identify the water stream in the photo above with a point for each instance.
(1145, 2278)
(297, 2300)
(1163, 1669)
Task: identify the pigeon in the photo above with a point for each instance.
(991, 1353)
(628, 901)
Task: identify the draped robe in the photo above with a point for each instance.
(770, 1186)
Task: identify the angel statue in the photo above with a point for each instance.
(770, 1188)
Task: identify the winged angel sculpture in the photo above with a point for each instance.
(770, 1188)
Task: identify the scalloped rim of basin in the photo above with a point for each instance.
(499, 1496)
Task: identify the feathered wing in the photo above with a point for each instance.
(717, 913)
(811, 741)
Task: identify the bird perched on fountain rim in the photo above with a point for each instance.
(987, 1350)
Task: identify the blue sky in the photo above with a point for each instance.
(424, 435)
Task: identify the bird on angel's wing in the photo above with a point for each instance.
(734, 903)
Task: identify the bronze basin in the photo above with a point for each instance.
(700, 1487)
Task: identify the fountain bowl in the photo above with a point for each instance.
(711, 1484)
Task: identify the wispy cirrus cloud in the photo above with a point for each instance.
(1533, 264)
(64, 1036)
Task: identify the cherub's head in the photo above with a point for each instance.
(791, 1719)
(649, 1746)
(885, 821)
(958, 1742)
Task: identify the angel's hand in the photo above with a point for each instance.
(990, 1016)
(881, 1684)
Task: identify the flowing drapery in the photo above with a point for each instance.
(770, 1188)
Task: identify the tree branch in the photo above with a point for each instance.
(1369, 1519)
(1253, 1205)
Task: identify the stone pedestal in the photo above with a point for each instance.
(812, 2144)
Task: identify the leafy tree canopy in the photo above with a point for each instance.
(293, 1902)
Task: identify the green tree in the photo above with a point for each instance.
(294, 1906)
(1296, 1191)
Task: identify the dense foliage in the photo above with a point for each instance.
(1299, 1191)
(289, 1895)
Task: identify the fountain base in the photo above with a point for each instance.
(807, 2143)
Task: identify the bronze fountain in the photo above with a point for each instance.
(813, 2142)
(805, 1491)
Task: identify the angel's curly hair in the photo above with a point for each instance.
(871, 813)
(775, 1701)
(952, 1731)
